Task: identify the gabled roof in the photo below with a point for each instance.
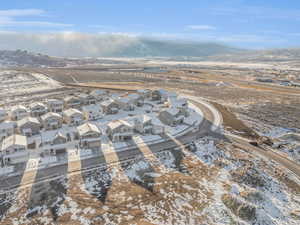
(28, 119)
(71, 112)
(55, 101)
(51, 114)
(15, 139)
(107, 102)
(87, 127)
(34, 104)
(143, 118)
(68, 98)
(117, 123)
(172, 111)
(18, 107)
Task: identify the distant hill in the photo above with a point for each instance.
(25, 58)
(262, 56)
(167, 48)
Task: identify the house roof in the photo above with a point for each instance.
(71, 112)
(172, 111)
(18, 107)
(107, 102)
(68, 98)
(133, 96)
(34, 104)
(55, 101)
(7, 125)
(92, 108)
(87, 127)
(3, 111)
(50, 114)
(143, 118)
(117, 123)
(28, 119)
(15, 139)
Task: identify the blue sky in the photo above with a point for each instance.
(242, 23)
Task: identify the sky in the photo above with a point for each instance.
(248, 24)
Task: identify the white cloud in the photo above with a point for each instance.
(200, 27)
(7, 19)
(21, 12)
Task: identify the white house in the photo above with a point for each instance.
(3, 114)
(179, 103)
(92, 112)
(7, 128)
(143, 124)
(119, 130)
(144, 93)
(14, 149)
(18, 112)
(52, 121)
(89, 136)
(55, 105)
(86, 99)
(37, 109)
(72, 102)
(55, 143)
(109, 106)
(29, 126)
(73, 117)
(171, 116)
(136, 99)
(125, 103)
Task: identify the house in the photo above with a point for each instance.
(86, 99)
(98, 94)
(3, 114)
(119, 130)
(55, 105)
(52, 121)
(37, 109)
(89, 136)
(179, 103)
(55, 143)
(72, 102)
(7, 128)
(14, 149)
(92, 112)
(29, 126)
(143, 124)
(109, 106)
(73, 117)
(144, 93)
(18, 112)
(136, 99)
(171, 116)
(125, 103)
(158, 95)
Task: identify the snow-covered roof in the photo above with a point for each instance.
(54, 101)
(143, 118)
(91, 108)
(125, 100)
(69, 98)
(107, 102)
(71, 112)
(18, 107)
(15, 139)
(28, 119)
(35, 104)
(117, 123)
(7, 125)
(51, 114)
(87, 127)
(172, 111)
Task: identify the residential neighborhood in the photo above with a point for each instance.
(84, 121)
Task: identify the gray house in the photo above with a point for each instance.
(29, 126)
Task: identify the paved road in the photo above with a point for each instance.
(60, 170)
